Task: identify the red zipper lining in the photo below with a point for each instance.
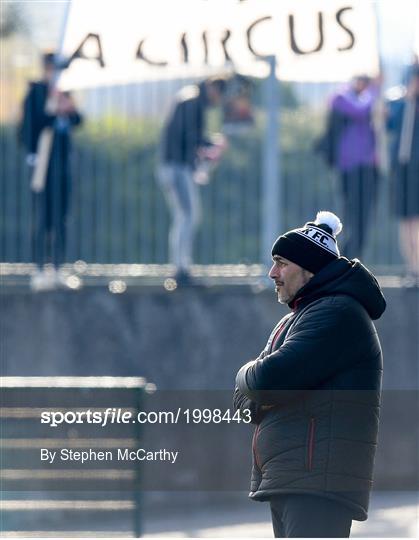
(255, 434)
(255, 455)
(311, 443)
(278, 334)
(311, 430)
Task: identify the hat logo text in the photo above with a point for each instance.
(316, 235)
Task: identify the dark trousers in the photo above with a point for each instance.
(49, 213)
(359, 190)
(309, 516)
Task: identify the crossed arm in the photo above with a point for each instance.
(307, 358)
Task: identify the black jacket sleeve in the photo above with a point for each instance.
(316, 349)
(241, 403)
(34, 117)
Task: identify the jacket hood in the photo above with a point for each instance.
(346, 277)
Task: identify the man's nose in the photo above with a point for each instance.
(273, 272)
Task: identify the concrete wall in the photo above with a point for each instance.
(190, 339)
(197, 339)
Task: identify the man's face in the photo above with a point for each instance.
(288, 277)
(359, 84)
(214, 96)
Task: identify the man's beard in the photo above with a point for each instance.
(280, 297)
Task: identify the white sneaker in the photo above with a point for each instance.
(67, 281)
(43, 280)
(61, 280)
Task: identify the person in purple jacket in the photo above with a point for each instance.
(356, 158)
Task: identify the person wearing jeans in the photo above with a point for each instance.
(182, 197)
(183, 149)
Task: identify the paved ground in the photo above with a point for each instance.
(392, 515)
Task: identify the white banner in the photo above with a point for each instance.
(140, 40)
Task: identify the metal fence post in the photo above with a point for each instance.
(137, 494)
(271, 178)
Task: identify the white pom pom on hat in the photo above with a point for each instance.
(330, 219)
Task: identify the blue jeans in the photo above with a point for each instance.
(182, 197)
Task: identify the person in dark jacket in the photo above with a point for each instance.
(48, 111)
(314, 391)
(403, 123)
(184, 147)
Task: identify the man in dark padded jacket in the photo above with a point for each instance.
(314, 391)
